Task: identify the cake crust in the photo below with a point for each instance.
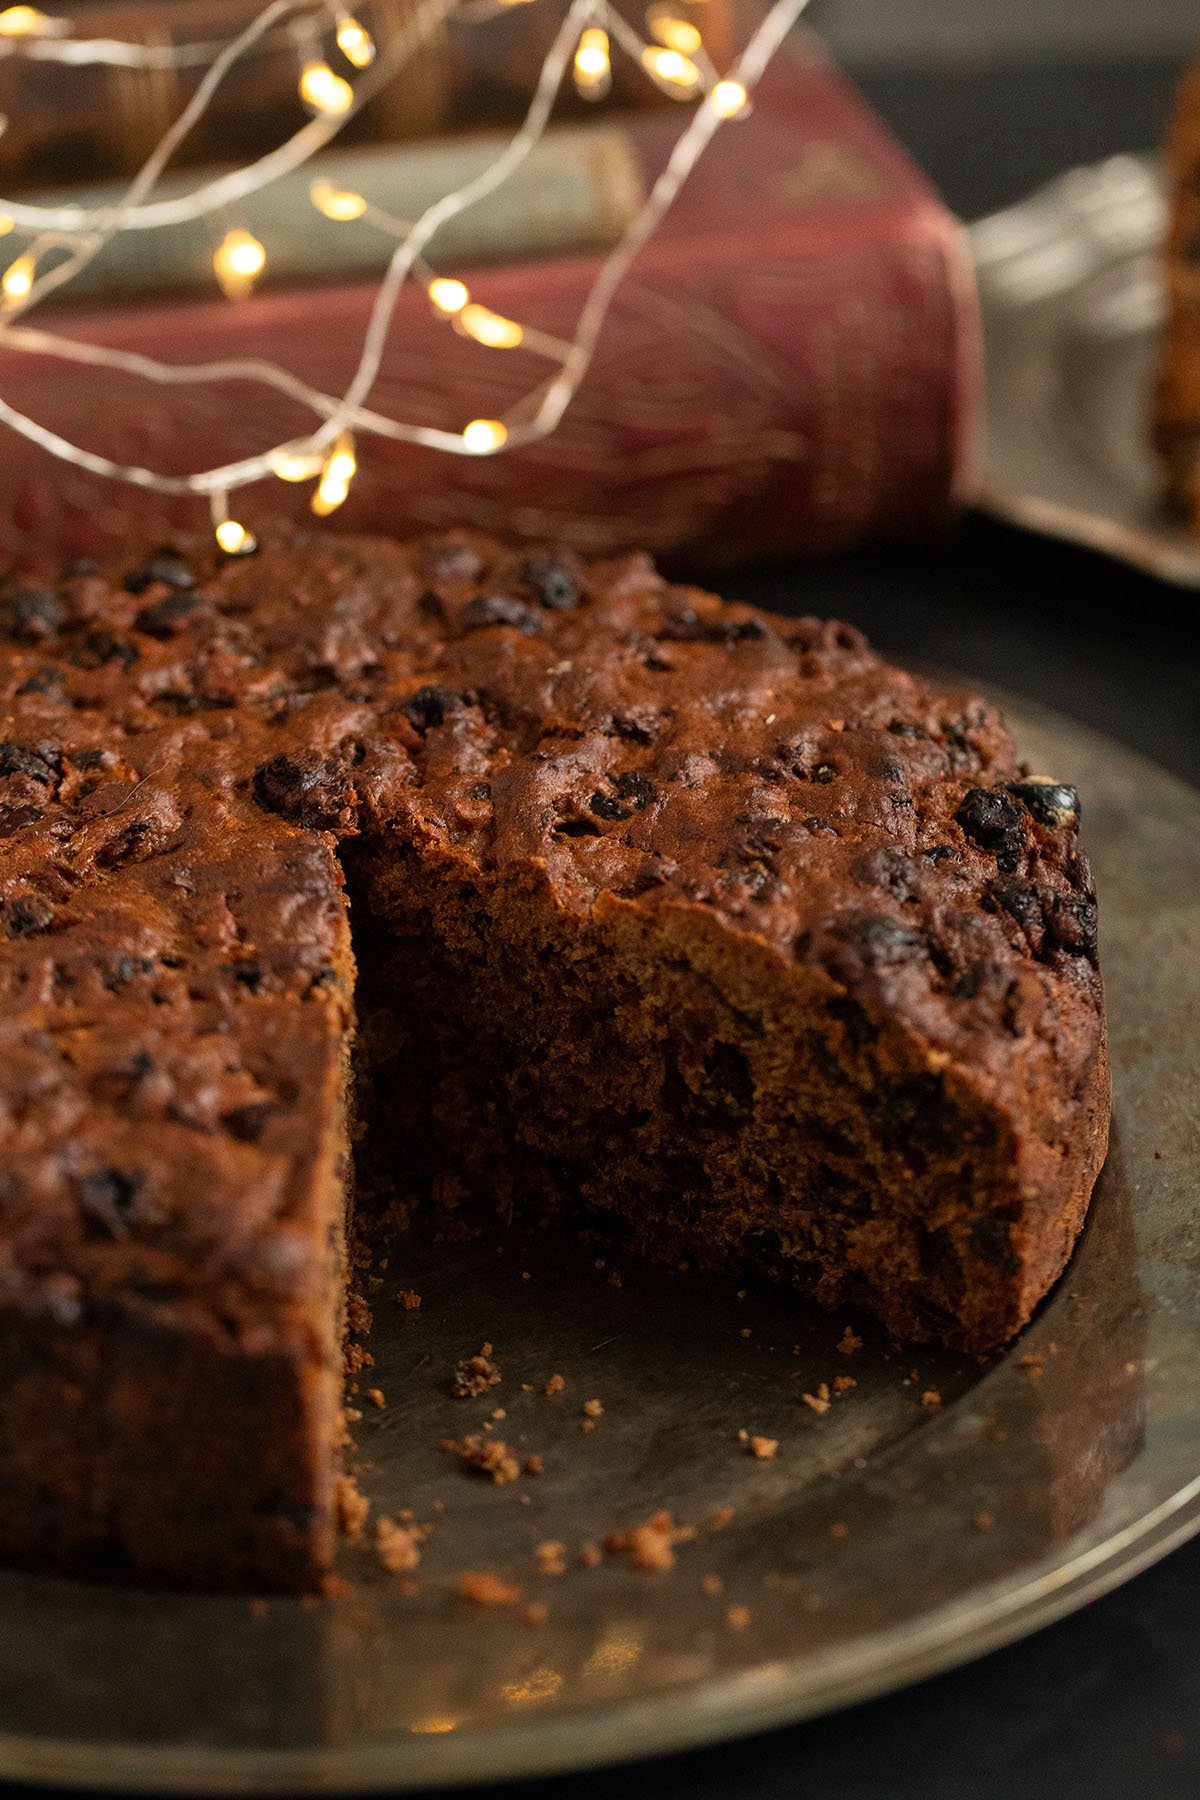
(630, 839)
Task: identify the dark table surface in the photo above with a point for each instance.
(1107, 1703)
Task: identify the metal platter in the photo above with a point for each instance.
(933, 1511)
(1071, 293)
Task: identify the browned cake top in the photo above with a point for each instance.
(186, 740)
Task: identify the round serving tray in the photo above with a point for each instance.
(1070, 287)
(933, 1511)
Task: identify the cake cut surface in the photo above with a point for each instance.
(667, 913)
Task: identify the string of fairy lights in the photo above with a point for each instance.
(339, 69)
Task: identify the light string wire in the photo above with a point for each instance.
(327, 450)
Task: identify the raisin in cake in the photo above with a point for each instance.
(1177, 419)
(664, 911)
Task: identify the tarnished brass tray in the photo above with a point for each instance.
(890, 1536)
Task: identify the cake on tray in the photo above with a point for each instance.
(654, 910)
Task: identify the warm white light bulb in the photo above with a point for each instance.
(355, 43)
(336, 203)
(487, 327)
(676, 34)
(675, 72)
(329, 496)
(728, 99)
(341, 463)
(592, 68)
(17, 279)
(234, 539)
(324, 91)
(483, 436)
(448, 296)
(294, 465)
(27, 21)
(238, 261)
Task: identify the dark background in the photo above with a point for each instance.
(993, 99)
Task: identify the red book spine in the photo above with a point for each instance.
(790, 366)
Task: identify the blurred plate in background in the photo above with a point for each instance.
(1072, 304)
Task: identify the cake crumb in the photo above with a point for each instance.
(335, 1587)
(817, 1403)
(718, 1520)
(535, 1613)
(398, 1546)
(984, 1521)
(650, 1546)
(551, 1558)
(533, 1465)
(498, 1413)
(737, 1617)
(484, 1456)
(764, 1448)
(555, 1385)
(482, 1588)
(474, 1375)
(843, 1383)
(357, 1358)
(745, 1332)
(839, 1529)
(258, 1607)
(375, 1396)
(352, 1506)
(592, 1409)
(849, 1342)
(1034, 1366)
(931, 1397)
(351, 1414)
(712, 1586)
(590, 1556)
(409, 1299)
(358, 1315)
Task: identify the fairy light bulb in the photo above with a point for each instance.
(592, 68)
(324, 91)
(17, 279)
(234, 539)
(729, 99)
(342, 463)
(238, 262)
(329, 496)
(674, 72)
(296, 465)
(447, 295)
(27, 21)
(337, 203)
(355, 43)
(487, 327)
(484, 436)
(6, 225)
(336, 475)
(676, 34)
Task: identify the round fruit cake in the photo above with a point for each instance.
(654, 909)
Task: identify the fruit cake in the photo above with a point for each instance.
(658, 912)
(1177, 416)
